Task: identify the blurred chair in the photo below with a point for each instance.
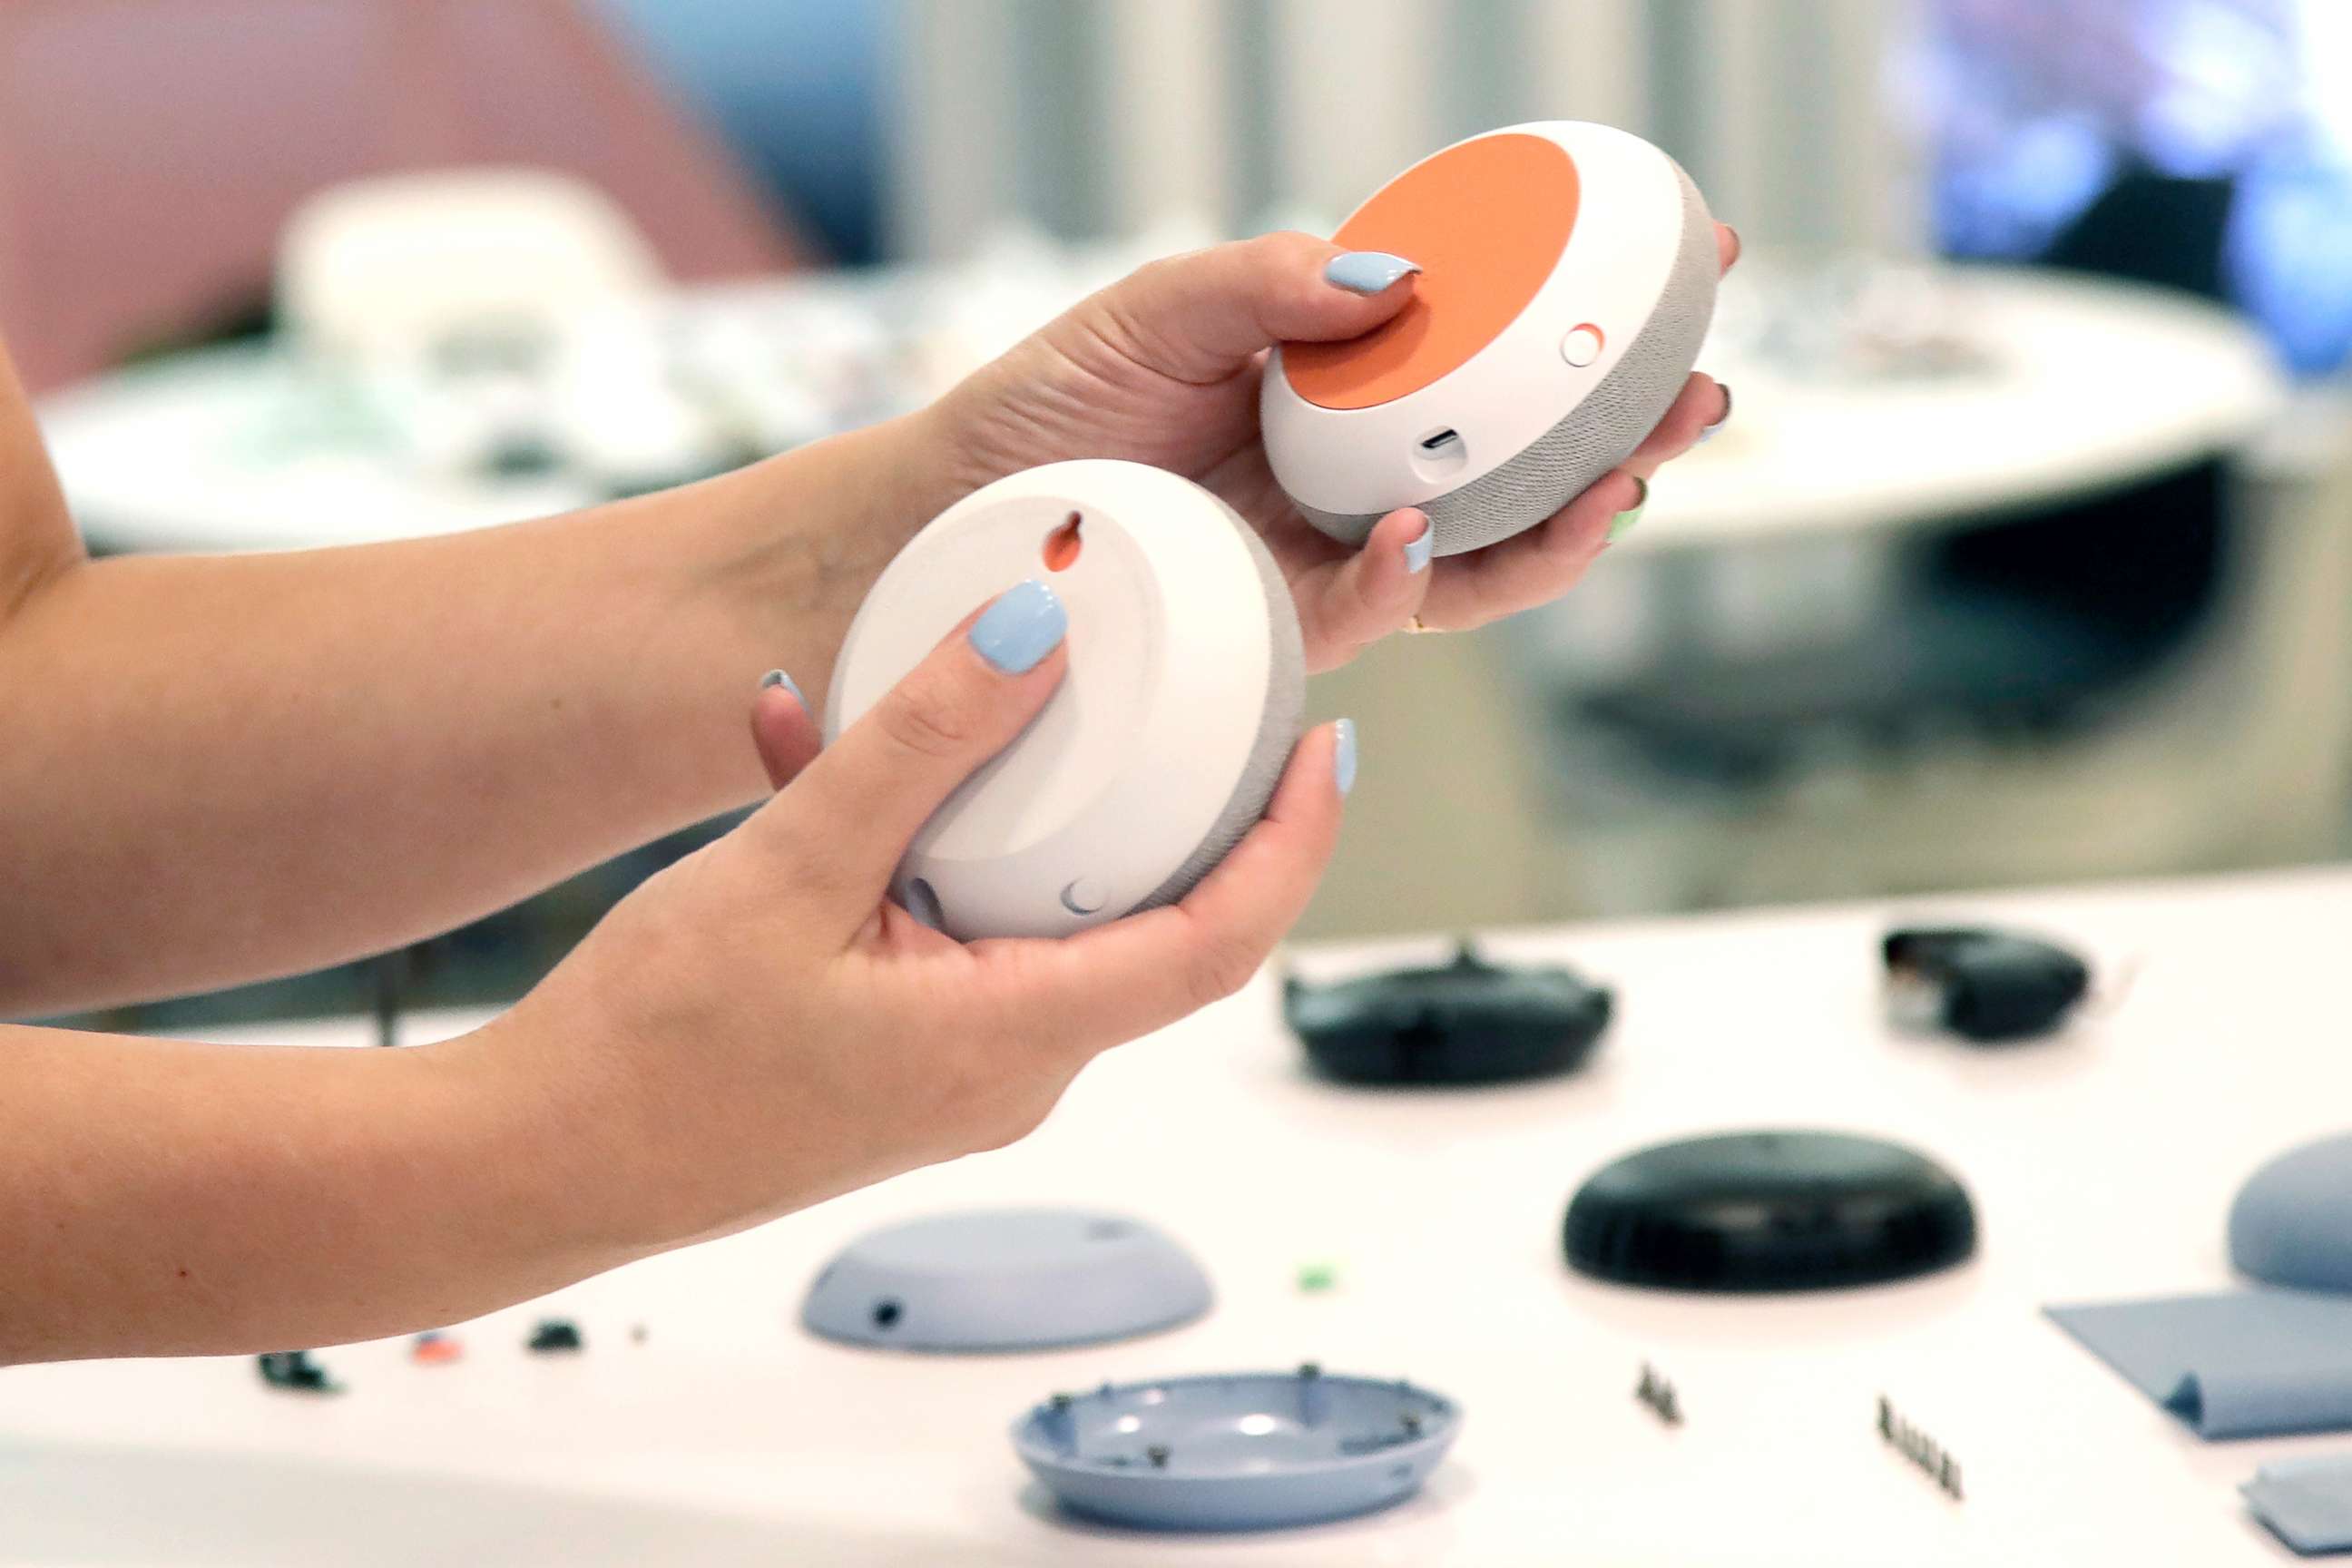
(2234, 750)
(2043, 622)
(376, 267)
(2065, 665)
(151, 151)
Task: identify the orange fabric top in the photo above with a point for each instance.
(1486, 221)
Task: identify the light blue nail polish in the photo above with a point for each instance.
(778, 677)
(1720, 420)
(1417, 552)
(1026, 623)
(1343, 755)
(1624, 520)
(1367, 271)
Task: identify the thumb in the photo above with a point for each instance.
(844, 824)
(1203, 316)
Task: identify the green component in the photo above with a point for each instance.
(1315, 1277)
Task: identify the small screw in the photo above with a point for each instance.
(1411, 1423)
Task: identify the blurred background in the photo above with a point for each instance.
(2024, 558)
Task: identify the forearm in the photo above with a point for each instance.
(220, 768)
(164, 1198)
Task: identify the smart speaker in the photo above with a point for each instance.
(1164, 741)
(1567, 278)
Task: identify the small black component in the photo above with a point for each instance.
(297, 1371)
(1769, 1211)
(1933, 1459)
(1465, 1022)
(1988, 986)
(1659, 1395)
(1157, 1455)
(553, 1336)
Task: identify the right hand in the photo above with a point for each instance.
(759, 1028)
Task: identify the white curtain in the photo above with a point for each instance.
(1087, 118)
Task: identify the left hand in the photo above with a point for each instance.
(1163, 368)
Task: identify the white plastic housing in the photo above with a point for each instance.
(1135, 757)
(1610, 273)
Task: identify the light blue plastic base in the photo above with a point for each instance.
(1246, 1451)
(2243, 1364)
(2307, 1503)
(1006, 1279)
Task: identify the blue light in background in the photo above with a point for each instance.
(2040, 107)
(797, 86)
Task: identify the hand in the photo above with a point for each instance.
(759, 1028)
(1163, 368)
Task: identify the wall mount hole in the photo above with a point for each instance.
(1063, 544)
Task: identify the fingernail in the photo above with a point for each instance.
(1365, 271)
(778, 677)
(1026, 623)
(1343, 755)
(1736, 246)
(1418, 549)
(1624, 520)
(1720, 420)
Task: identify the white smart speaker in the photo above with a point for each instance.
(1164, 741)
(1568, 274)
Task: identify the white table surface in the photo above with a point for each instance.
(2102, 1165)
(2091, 384)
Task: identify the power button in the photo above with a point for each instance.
(1581, 346)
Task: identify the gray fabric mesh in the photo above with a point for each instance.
(1278, 730)
(1601, 432)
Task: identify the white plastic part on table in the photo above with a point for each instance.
(2103, 1163)
(381, 268)
(2091, 384)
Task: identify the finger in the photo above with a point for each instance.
(1355, 600)
(844, 824)
(1540, 564)
(1202, 317)
(1726, 246)
(1134, 975)
(783, 730)
(1534, 568)
(1703, 403)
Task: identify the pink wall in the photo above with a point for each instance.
(151, 149)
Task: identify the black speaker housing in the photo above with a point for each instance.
(1769, 1211)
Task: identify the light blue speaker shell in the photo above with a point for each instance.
(1006, 1279)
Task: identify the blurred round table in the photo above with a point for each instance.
(2085, 384)
(2076, 386)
